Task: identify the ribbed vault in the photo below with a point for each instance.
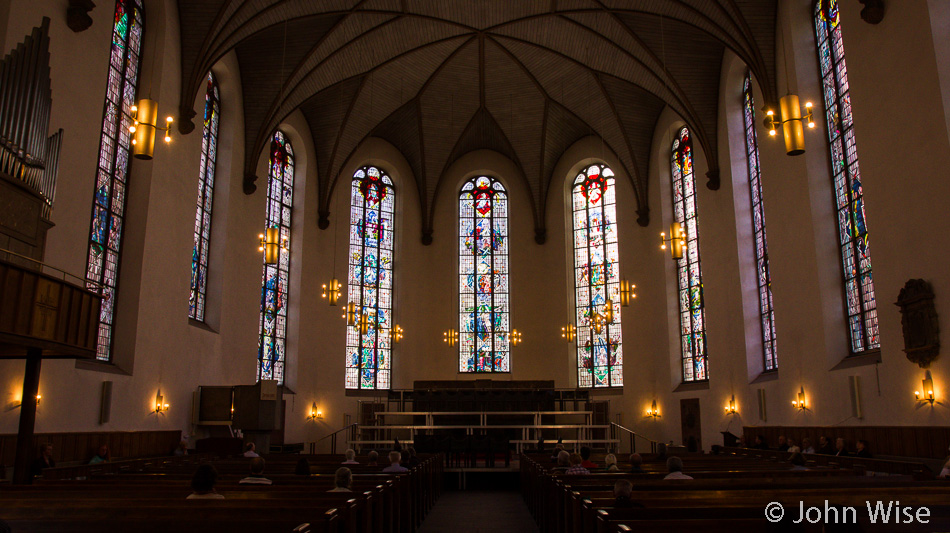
(439, 78)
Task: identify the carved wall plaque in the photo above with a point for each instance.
(919, 322)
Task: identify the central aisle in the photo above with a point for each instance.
(479, 512)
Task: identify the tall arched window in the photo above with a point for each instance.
(108, 210)
(689, 277)
(275, 291)
(372, 202)
(849, 196)
(484, 322)
(199, 254)
(760, 244)
(597, 279)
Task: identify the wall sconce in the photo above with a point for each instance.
(731, 406)
(451, 337)
(315, 413)
(144, 117)
(677, 240)
(569, 333)
(801, 404)
(514, 337)
(653, 411)
(926, 396)
(272, 245)
(160, 405)
(332, 292)
(627, 292)
(395, 334)
(793, 115)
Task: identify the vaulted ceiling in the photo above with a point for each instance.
(440, 78)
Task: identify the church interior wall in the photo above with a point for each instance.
(902, 142)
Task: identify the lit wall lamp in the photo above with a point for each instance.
(515, 337)
(653, 411)
(332, 291)
(926, 396)
(569, 332)
(144, 117)
(792, 119)
(272, 244)
(451, 337)
(627, 292)
(731, 406)
(160, 405)
(315, 412)
(676, 240)
(395, 334)
(801, 404)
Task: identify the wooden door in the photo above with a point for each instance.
(690, 419)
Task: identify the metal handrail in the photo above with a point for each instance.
(313, 444)
(633, 438)
(90, 285)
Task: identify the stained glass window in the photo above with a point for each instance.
(108, 210)
(199, 253)
(369, 355)
(597, 279)
(484, 321)
(275, 289)
(689, 277)
(762, 274)
(849, 195)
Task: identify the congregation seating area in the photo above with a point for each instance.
(152, 497)
(729, 492)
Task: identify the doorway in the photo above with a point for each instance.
(690, 419)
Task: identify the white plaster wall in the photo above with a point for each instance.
(897, 90)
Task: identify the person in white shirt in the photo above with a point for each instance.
(675, 467)
(257, 474)
(350, 458)
(343, 480)
(394, 458)
(806, 446)
(202, 483)
(249, 450)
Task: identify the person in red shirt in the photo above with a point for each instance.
(585, 455)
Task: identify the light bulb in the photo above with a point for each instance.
(131, 129)
(772, 133)
(808, 105)
(770, 112)
(133, 141)
(167, 138)
(169, 120)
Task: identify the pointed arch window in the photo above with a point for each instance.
(849, 194)
(760, 244)
(596, 278)
(275, 291)
(109, 198)
(689, 276)
(484, 322)
(372, 206)
(209, 150)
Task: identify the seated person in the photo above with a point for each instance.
(250, 450)
(351, 458)
(675, 466)
(945, 471)
(576, 465)
(372, 458)
(792, 447)
(45, 460)
(824, 446)
(636, 463)
(257, 473)
(759, 443)
(342, 480)
(623, 492)
(102, 456)
(782, 444)
(840, 449)
(394, 466)
(863, 450)
(807, 446)
(563, 461)
(610, 463)
(302, 468)
(585, 458)
(202, 483)
(558, 448)
(797, 460)
(182, 449)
